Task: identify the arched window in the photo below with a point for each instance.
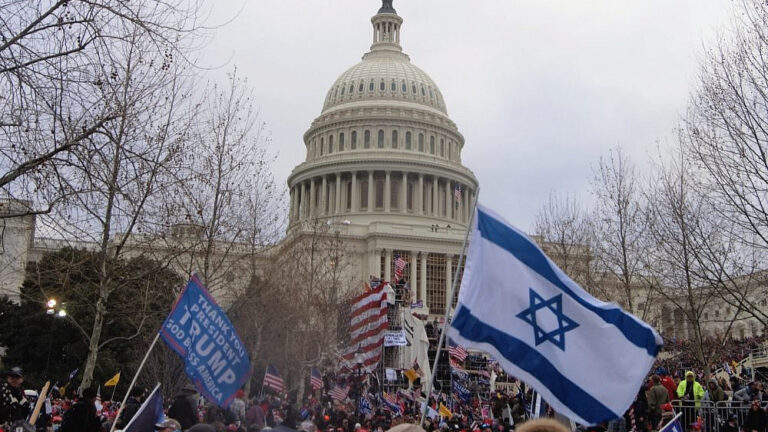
(380, 141)
(364, 194)
(450, 149)
(413, 87)
(322, 146)
(341, 141)
(431, 93)
(353, 141)
(367, 139)
(379, 199)
(382, 86)
(343, 88)
(432, 144)
(408, 140)
(371, 86)
(442, 147)
(421, 142)
(404, 87)
(394, 194)
(423, 93)
(351, 87)
(393, 85)
(330, 144)
(394, 139)
(361, 87)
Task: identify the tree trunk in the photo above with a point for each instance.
(93, 345)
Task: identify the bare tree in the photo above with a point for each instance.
(228, 201)
(619, 222)
(567, 236)
(725, 134)
(679, 223)
(51, 79)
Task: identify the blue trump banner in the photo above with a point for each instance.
(214, 355)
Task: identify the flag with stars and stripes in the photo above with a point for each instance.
(315, 379)
(273, 380)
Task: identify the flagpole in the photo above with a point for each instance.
(461, 262)
(133, 382)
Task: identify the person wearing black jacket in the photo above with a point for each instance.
(82, 417)
(132, 406)
(184, 407)
(13, 404)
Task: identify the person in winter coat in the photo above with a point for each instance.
(667, 382)
(715, 392)
(131, 407)
(82, 417)
(657, 396)
(691, 393)
(755, 420)
(184, 407)
(13, 404)
(749, 393)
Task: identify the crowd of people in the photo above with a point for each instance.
(369, 408)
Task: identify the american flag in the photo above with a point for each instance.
(339, 393)
(273, 380)
(456, 366)
(457, 191)
(400, 264)
(367, 325)
(315, 380)
(457, 352)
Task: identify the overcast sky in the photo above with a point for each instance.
(540, 89)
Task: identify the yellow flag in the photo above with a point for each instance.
(444, 411)
(411, 375)
(113, 381)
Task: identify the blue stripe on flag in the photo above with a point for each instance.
(528, 359)
(529, 254)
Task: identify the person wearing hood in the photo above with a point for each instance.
(691, 393)
(715, 392)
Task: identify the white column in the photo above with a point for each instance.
(435, 198)
(355, 198)
(388, 265)
(404, 194)
(338, 194)
(312, 198)
(304, 200)
(370, 191)
(387, 192)
(423, 281)
(448, 200)
(420, 206)
(414, 275)
(324, 197)
(448, 280)
(292, 205)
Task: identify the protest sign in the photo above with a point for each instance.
(214, 356)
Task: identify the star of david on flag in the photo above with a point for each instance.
(586, 358)
(555, 305)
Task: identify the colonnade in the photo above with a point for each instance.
(379, 191)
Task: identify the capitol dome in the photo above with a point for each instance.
(383, 168)
(384, 76)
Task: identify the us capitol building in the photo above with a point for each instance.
(382, 169)
(384, 159)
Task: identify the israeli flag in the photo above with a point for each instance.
(587, 358)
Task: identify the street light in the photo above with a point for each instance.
(51, 303)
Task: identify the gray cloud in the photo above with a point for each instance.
(540, 89)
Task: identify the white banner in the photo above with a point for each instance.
(395, 338)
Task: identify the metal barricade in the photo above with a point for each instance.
(740, 409)
(706, 411)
